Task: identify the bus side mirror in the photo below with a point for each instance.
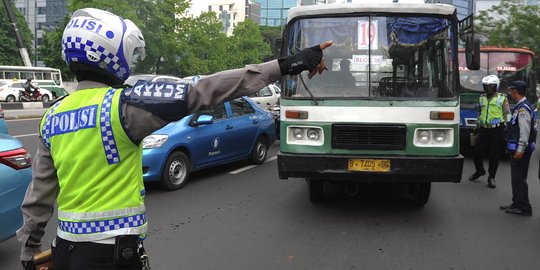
(277, 47)
(472, 53)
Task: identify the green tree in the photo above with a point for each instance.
(510, 24)
(270, 34)
(50, 50)
(248, 45)
(9, 52)
(201, 46)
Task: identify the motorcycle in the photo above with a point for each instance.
(35, 96)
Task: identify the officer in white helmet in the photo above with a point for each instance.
(89, 157)
(494, 112)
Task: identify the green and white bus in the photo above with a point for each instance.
(48, 78)
(398, 121)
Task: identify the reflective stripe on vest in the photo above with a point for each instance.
(109, 144)
(99, 168)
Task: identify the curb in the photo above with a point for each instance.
(16, 117)
(25, 105)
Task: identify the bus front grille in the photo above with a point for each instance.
(368, 137)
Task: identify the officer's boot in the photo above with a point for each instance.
(491, 182)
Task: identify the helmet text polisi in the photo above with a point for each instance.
(89, 25)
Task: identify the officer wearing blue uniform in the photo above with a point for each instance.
(102, 218)
(520, 140)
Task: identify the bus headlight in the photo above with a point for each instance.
(440, 137)
(301, 135)
(313, 134)
(424, 136)
(298, 133)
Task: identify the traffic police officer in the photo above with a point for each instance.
(520, 143)
(89, 158)
(494, 110)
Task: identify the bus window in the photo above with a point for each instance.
(56, 78)
(12, 75)
(47, 76)
(26, 75)
(38, 75)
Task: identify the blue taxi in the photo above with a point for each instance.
(235, 130)
(15, 175)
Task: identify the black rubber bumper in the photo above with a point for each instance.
(403, 169)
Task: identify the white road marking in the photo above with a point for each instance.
(25, 135)
(251, 166)
(25, 119)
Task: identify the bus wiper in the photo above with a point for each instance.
(307, 89)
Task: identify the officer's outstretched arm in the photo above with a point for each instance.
(230, 84)
(172, 101)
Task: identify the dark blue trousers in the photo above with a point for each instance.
(520, 190)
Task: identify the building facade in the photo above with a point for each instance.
(230, 12)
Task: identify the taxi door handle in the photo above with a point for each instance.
(228, 127)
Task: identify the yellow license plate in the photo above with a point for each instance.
(369, 165)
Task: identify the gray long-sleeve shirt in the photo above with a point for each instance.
(38, 205)
(524, 120)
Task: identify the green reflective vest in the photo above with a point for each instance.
(491, 112)
(99, 168)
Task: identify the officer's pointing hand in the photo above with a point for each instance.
(307, 59)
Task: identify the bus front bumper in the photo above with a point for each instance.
(402, 169)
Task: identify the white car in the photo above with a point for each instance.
(267, 96)
(9, 91)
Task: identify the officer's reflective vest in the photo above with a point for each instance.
(491, 112)
(99, 168)
(512, 138)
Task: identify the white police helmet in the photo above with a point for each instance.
(102, 40)
(491, 79)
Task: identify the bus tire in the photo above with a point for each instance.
(315, 189)
(419, 193)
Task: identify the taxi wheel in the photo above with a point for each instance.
(315, 189)
(419, 193)
(10, 98)
(176, 171)
(260, 149)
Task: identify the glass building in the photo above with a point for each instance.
(274, 12)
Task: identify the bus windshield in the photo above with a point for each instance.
(376, 57)
(508, 64)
